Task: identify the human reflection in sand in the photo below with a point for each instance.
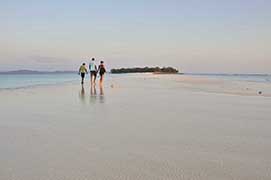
(82, 94)
(101, 93)
(93, 93)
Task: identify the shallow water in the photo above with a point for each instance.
(13, 81)
(142, 127)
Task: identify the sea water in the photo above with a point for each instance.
(13, 81)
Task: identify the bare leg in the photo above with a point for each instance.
(91, 77)
(101, 79)
(95, 75)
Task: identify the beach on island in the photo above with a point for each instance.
(137, 127)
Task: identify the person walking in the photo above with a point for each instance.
(83, 71)
(102, 71)
(93, 71)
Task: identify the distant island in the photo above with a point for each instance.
(36, 72)
(158, 70)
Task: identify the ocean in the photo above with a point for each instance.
(13, 81)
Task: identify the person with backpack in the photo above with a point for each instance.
(102, 71)
(93, 71)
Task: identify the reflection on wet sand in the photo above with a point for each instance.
(82, 94)
(101, 93)
(93, 91)
(93, 94)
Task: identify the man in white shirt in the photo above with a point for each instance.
(93, 71)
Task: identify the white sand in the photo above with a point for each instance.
(145, 127)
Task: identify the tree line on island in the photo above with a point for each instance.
(163, 70)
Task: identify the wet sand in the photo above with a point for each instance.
(137, 127)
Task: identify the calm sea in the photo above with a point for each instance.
(13, 81)
(10, 81)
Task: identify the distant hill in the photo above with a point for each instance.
(158, 70)
(36, 72)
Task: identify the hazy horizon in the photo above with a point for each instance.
(194, 36)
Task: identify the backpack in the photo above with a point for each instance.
(102, 69)
(92, 66)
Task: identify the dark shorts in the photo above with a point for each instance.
(101, 73)
(83, 75)
(93, 73)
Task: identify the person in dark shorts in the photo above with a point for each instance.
(83, 71)
(101, 71)
(93, 71)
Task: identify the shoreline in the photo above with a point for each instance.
(183, 81)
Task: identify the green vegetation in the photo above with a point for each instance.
(164, 70)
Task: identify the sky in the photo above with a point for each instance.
(204, 36)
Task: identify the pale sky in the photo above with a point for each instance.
(214, 36)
